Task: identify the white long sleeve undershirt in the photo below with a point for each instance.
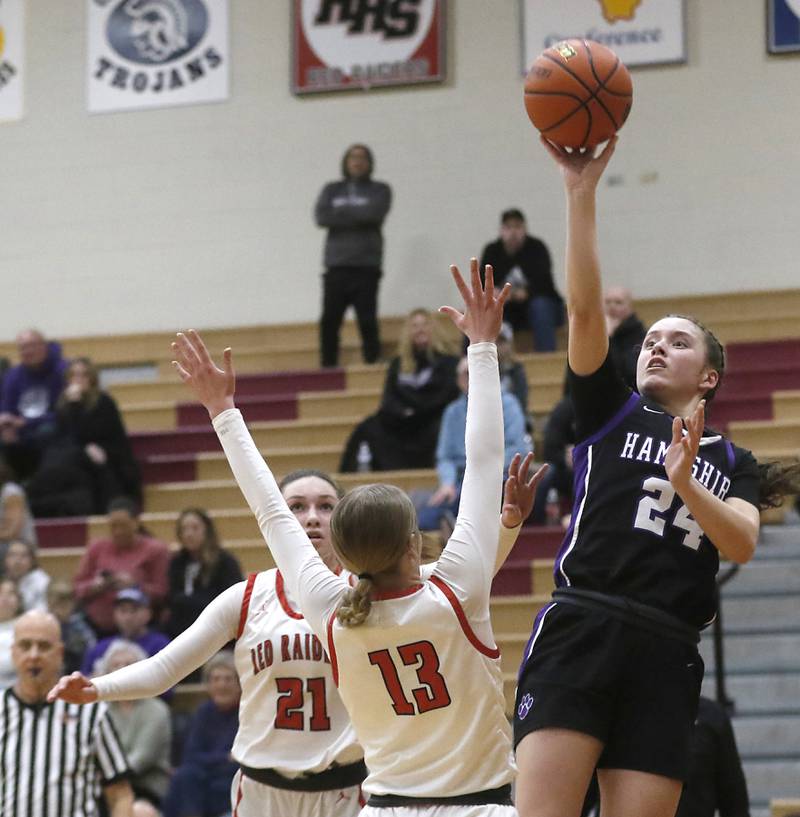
(467, 564)
(468, 561)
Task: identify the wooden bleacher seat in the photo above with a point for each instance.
(785, 807)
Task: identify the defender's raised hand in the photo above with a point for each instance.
(212, 386)
(74, 689)
(520, 490)
(483, 307)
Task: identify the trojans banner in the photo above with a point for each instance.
(156, 53)
(12, 52)
(358, 44)
(640, 32)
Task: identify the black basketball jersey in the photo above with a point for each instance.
(630, 534)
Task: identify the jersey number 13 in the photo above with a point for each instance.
(432, 694)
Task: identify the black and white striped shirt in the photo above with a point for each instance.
(55, 757)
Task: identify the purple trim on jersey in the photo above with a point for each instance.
(580, 461)
(731, 453)
(535, 629)
(627, 407)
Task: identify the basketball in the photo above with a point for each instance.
(578, 93)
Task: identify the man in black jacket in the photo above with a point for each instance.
(625, 332)
(524, 262)
(353, 211)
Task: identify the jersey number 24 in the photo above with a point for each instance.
(654, 510)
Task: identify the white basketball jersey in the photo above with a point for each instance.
(291, 718)
(417, 672)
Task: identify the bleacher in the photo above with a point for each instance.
(301, 416)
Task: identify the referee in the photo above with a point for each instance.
(55, 757)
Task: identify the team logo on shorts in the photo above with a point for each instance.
(525, 706)
(152, 32)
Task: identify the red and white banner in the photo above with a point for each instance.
(361, 44)
(12, 52)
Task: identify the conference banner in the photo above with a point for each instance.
(156, 53)
(342, 45)
(12, 53)
(640, 32)
(783, 26)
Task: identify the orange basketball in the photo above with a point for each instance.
(578, 93)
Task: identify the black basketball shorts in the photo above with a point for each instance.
(635, 691)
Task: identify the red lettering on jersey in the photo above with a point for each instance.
(256, 668)
(307, 646)
(316, 649)
(260, 655)
(297, 651)
(285, 648)
(268, 653)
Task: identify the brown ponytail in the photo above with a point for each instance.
(776, 481)
(370, 532)
(356, 604)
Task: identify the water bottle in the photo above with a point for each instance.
(553, 508)
(363, 458)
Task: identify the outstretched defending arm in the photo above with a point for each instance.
(294, 554)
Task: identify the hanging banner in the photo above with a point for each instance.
(361, 44)
(783, 25)
(156, 53)
(640, 32)
(12, 46)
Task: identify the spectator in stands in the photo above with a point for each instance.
(625, 332)
(451, 453)
(10, 610)
(716, 782)
(353, 211)
(144, 729)
(202, 783)
(76, 634)
(199, 571)
(132, 615)
(91, 437)
(127, 558)
(513, 378)
(16, 521)
(20, 565)
(419, 384)
(524, 262)
(27, 404)
(559, 438)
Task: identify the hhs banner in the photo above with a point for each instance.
(641, 32)
(346, 44)
(156, 53)
(12, 45)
